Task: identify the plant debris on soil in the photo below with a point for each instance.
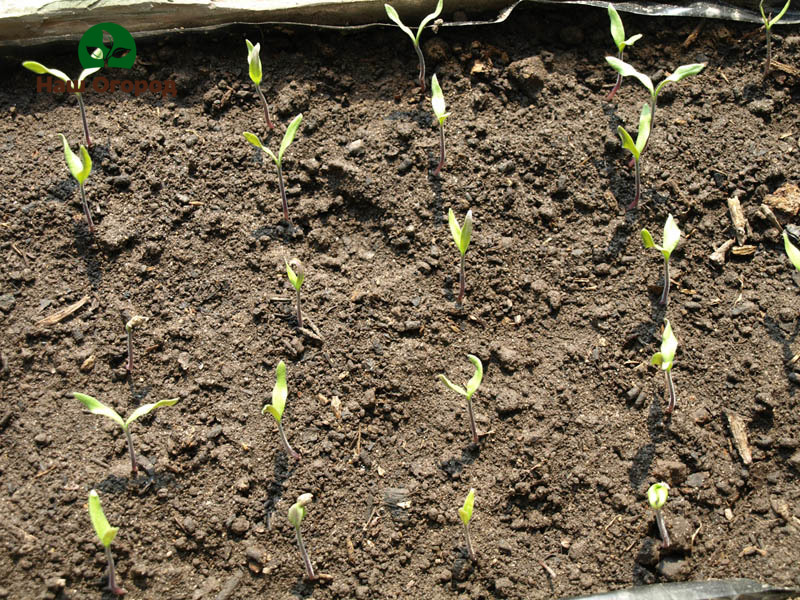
(561, 307)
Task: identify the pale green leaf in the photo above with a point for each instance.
(392, 14)
(74, 163)
(296, 278)
(98, 408)
(428, 19)
(633, 39)
(627, 142)
(297, 513)
(98, 53)
(669, 344)
(627, 70)
(466, 233)
(104, 531)
(475, 381)
(268, 408)
(254, 61)
(288, 137)
(647, 239)
(645, 120)
(456, 388)
(672, 236)
(40, 69)
(780, 14)
(465, 512)
(791, 251)
(657, 360)
(437, 100)
(617, 30)
(763, 16)
(657, 495)
(86, 161)
(146, 408)
(280, 391)
(454, 228)
(681, 72)
(253, 139)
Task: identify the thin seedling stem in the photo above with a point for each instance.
(662, 529)
(266, 107)
(616, 85)
(637, 166)
(286, 445)
(83, 118)
(441, 150)
(134, 468)
(86, 210)
(671, 391)
(472, 425)
(665, 294)
(306, 561)
(283, 195)
(462, 283)
(112, 579)
(129, 366)
(470, 551)
(299, 313)
(421, 67)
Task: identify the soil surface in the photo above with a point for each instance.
(561, 307)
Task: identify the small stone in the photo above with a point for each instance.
(121, 182)
(55, 583)
(672, 569)
(503, 586)
(672, 471)
(42, 439)
(7, 302)
(355, 148)
(529, 75)
(240, 525)
(507, 357)
(696, 480)
(745, 308)
(602, 269)
(243, 485)
(649, 553)
(794, 460)
(554, 300)
(443, 575)
(504, 547)
(255, 554)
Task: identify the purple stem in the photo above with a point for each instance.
(619, 81)
(134, 468)
(665, 293)
(421, 66)
(86, 210)
(306, 561)
(671, 390)
(662, 529)
(283, 194)
(441, 150)
(462, 283)
(285, 443)
(83, 118)
(112, 579)
(129, 366)
(470, 551)
(299, 313)
(472, 426)
(266, 108)
(637, 171)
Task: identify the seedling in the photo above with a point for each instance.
(296, 277)
(296, 515)
(791, 251)
(106, 533)
(279, 393)
(472, 387)
(618, 34)
(254, 62)
(392, 14)
(672, 236)
(768, 23)
(636, 148)
(80, 167)
(288, 137)
(657, 496)
(40, 69)
(98, 408)
(437, 100)
(134, 322)
(465, 513)
(462, 237)
(681, 72)
(665, 359)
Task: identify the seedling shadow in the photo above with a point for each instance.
(85, 246)
(453, 466)
(785, 340)
(640, 467)
(303, 588)
(462, 566)
(280, 473)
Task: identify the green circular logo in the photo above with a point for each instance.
(121, 54)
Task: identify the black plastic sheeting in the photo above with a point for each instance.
(723, 589)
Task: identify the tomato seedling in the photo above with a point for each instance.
(279, 394)
(437, 100)
(768, 23)
(254, 64)
(465, 514)
(106, 533)
(636, 148)
(472, 387)
(672, 236)
(618, 35)
(462, 237)
(791, 251)
(665, 359)
(297, 513)
(657, 496)
(288, 137)
(98, 408)
(80, 167)
(392, 14)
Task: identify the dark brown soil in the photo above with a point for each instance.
(561, 306)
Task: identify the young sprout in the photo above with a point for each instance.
(279, 393)
(134, 322)
(465, 512)
(296, 277)
(392, 14)
(40, 69)
(461, 236)
(106, 533)
(768, 23)
(681, 72)
(98, 408)
(618, 34)
(636, 148)
(657, 496)
(472, 386)
(288, 137)
(296, 515)
(791, 251)
(437, 100)
(665, 359)
(671, 237)
(80, 167)
(254, 61)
